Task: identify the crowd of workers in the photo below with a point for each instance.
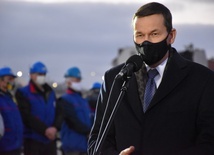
(33, 118)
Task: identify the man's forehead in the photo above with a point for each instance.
(151, 19)
(149, 23)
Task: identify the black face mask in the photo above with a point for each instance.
(152, 52)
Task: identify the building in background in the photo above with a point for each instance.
(123, 55)
(211, 64)
(195, 55)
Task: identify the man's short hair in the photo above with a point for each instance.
(155, 8)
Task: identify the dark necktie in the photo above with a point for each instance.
(150, 88)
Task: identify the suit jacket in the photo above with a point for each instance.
(179, 119)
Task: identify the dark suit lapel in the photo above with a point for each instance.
(133, 99)
(176, 70)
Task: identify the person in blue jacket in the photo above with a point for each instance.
(12, 140)
(92, 97)
(77, 123)
(40, 114)
(1, 126)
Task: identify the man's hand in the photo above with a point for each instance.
(127, 151)
(51, 133)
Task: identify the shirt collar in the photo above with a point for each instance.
(160, 68)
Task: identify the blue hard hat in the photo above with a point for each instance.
(6, 71)
(73, 72)
(96, 85)
(38, 67)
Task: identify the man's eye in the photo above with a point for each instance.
(138, 35)
(154, 34)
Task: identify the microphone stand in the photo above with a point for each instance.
(100, 141)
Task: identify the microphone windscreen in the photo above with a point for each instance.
(136, 60)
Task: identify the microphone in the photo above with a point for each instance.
(133, 64)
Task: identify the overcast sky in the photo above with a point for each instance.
(88, 34)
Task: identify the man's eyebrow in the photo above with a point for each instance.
(155, 30)
(138, 32)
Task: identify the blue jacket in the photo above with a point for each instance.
(77, 123)
(41, 111)
(13, 135)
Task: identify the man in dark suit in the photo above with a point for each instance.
(179, 119)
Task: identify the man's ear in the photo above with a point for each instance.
(172, 36)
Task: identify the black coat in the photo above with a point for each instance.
(179, 120)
